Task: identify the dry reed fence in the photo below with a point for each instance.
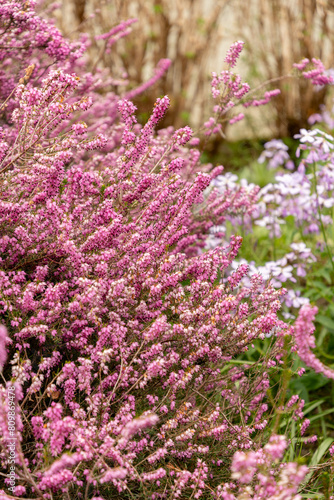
(279, 33)
(195, 33)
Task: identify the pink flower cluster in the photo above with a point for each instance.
(304, 340)
(315, 71)
(119, 31)
(3, 341)
(260, 469)
(229, 90)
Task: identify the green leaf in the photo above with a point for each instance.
(292, 435)
(314, 381)
(325, 321)
(307, 384)
(312, 406)
(316, 458)
(319, 285)
(321, 451)
(325, 274)
(61, 187)
(312, 495)
(297, 387)
(322, 414)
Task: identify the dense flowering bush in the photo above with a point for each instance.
(271, 481)
(118, 327)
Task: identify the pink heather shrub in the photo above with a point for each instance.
(266, 475)
(3, 341)
(121, 327)
(304, 341)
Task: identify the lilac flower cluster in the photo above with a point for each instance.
(282, 271)
(304, 192)
(270, 212)
(276, 154)
(306, 195)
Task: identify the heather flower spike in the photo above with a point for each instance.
(3, 342)
(304, 341)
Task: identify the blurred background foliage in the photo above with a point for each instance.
(195, 35)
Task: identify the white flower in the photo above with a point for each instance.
(306, 135)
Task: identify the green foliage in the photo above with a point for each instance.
(318, 286)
